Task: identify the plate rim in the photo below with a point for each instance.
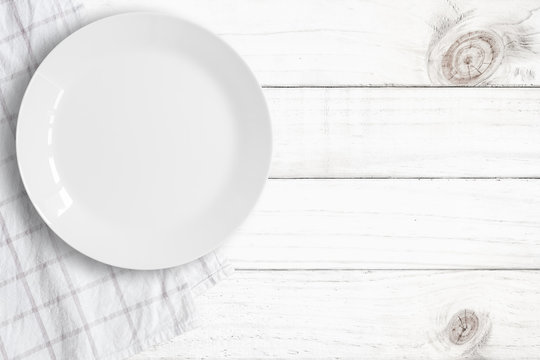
(247, 71)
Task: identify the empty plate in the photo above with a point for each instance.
(143, 140)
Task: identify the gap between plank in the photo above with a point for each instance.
(380, 86)
(378, 269)
(409, 178)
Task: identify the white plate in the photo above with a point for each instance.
(143, 140)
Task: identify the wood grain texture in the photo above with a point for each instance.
(396, 224)
(321, 62)
(354, 42)
(405, 132)
(366, 315)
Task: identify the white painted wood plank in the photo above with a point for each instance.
(366, 315)
(405, 132)
(322, 42)
(395, 224)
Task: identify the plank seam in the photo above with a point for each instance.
(378, 269)
(384, 86)
(408, 178)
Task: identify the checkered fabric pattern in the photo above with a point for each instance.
(55, 302)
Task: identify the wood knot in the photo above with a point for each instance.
(462, 327)
(465, 52)
(462, 332)
(471, 58)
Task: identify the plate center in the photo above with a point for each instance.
(130, 119)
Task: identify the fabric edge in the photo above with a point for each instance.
(225, 271)
(174, 330)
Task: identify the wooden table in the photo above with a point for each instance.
(402, 217)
